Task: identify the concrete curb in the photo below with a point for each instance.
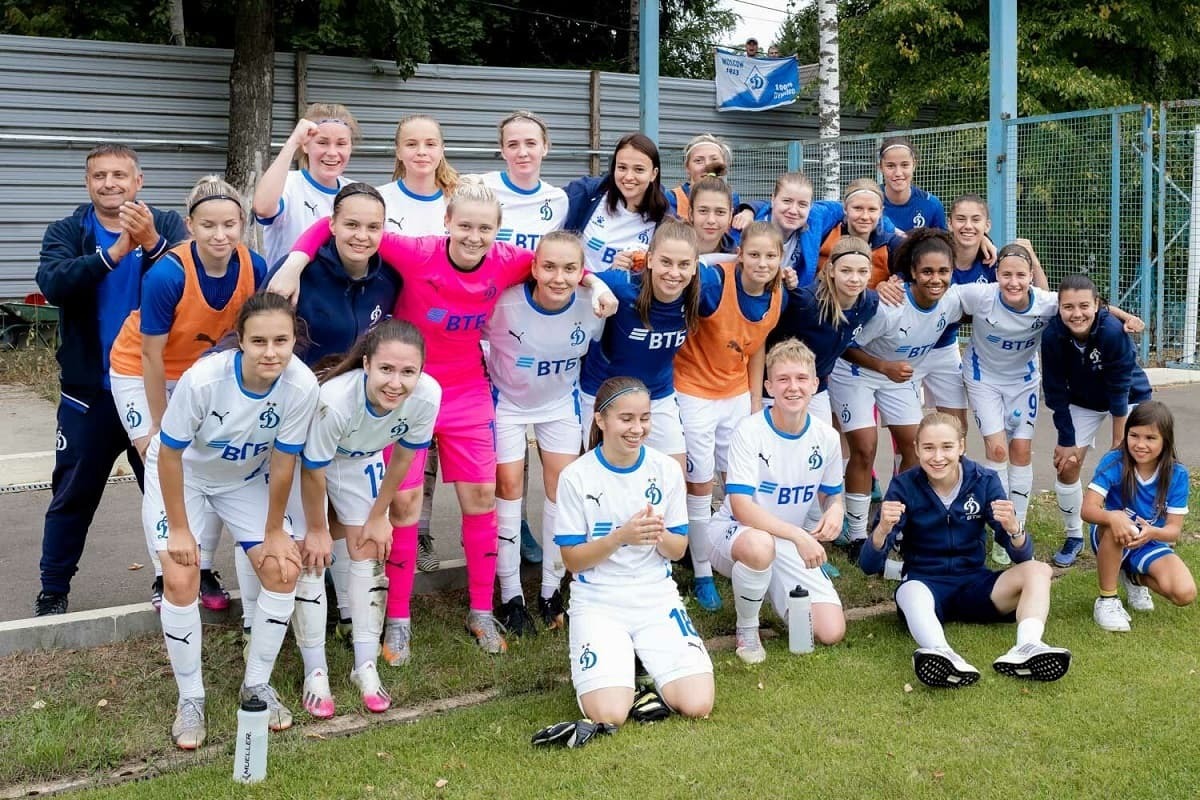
(82, 629)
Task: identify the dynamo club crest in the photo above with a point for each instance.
(755, 84)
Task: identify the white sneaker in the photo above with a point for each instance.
(1035, 661)
(1110, 614)
(1138, 596)
(749, 646)
(188, 730)
(943, 668)
(1000, 555)
(374, 696)
(280, 718)
(318, 698)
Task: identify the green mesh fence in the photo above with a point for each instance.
(1177, 232)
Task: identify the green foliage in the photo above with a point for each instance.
(902, 56)
(799, 33)
(693, 27)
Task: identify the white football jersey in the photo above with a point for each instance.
(595, 498)
(780, 471)
(412, 214)
(908, 332)
(526, 216)
(226, 432)
(345, 426)
(1004, 345)
(303, 202)
(606, 235)
(534, 355)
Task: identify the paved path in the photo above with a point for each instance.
(116, 541)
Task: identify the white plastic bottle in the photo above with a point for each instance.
(800, 625)
(250, 750)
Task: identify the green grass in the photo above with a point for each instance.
(834, 722)
(838, 723)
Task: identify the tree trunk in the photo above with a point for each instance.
(251, 92)
(178, 34)
(829, 102)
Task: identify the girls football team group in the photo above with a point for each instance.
(677, 340)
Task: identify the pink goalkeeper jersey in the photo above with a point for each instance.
(448, 305)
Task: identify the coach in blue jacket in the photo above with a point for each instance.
(91, 267)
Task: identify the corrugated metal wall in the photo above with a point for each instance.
(172, 103)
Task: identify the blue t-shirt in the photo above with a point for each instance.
(923, 210)
(1107, 482)
(162, 288)
(628, 347)
(118, 292)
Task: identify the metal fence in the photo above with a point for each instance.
(1107, 192)
(171, 103)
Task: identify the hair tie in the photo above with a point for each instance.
(192, 207)
(616, 394)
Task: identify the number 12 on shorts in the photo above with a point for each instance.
(374, 472)
(686, 628)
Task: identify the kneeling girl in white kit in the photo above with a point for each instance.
(781, 461)
(376, 397)
(235, 418)
(537, 337)
(622, 520)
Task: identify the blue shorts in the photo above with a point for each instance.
(964, 598)
(1138, 560)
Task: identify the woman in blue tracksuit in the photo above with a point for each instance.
(619, 211)
(939, 513)
(1089, 371)
(345, 291)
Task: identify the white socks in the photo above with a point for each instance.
(857, 508)
(699, 511)
(1029, 631)
(916, 601)
(368, 603)
(1020, 480)
(508, 548)
(1001, 468)
(270, 624)
(749, 589)
(1070, 500)
(181, 632)
(308, 621)
(248, 584)
(339, 571)
(552, 566)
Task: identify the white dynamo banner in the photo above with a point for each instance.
(755, 84)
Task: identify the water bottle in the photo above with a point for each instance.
(250, 752)
(800, 629)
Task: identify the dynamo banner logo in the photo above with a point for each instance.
(755, 84)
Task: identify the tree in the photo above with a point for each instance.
(798, 35)
(829, 102)
(251, 92)
(904, 56)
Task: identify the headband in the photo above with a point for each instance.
(835, 258)
(334, 120)
(192, 207)
(911, 152)
(846, 199)
(1014, 254)
(617, 394)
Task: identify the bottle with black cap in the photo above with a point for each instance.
(800, 625)
(250, 751)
